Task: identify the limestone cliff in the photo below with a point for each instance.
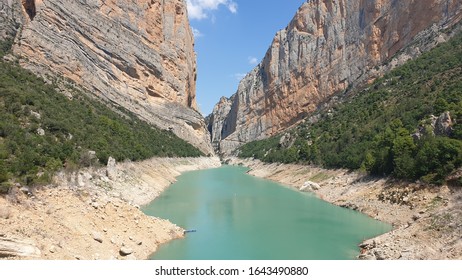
(137, 54)
(327, 48)
(10, 18)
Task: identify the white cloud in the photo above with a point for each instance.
(232, 6)
(195, 12)
(196, 32)
(199, 9)
(252, 60)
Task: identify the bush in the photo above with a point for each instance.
(372, 129)
(72, 128)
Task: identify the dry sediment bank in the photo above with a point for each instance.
(93, 213)
(427, 221)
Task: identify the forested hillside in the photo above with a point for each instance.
(42, 130)
(407, 124)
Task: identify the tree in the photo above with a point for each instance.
(403, 154)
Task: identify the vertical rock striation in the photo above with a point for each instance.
(327, 48)
(137, 54)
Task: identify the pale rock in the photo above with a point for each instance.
(40, 131)
(91, 154)
(11, 17)
(111, 169)
(36, 115)
(80, 180)
(309, 186)
(125, 251)
(287, 140)
(18, 248)
(97, 237)
(443, 124)
(137, 54)
(25, 190)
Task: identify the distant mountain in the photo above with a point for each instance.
(329, 48)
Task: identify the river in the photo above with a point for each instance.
(240, 217)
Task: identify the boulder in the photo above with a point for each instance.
(18, 248)
(125, 251)
(97, 237)
(40, 131)
(443, 125)
(35, 115)
(309, 186)
(111, 170)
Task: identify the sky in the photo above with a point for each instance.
(231, 38)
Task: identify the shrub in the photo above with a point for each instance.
(372, 129)
(72, 128)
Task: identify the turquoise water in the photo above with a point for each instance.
(238, 216)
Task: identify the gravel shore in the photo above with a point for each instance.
(92, 213)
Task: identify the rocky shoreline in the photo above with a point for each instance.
(92, 213)
(427, 221)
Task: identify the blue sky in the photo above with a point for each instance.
(231, 38)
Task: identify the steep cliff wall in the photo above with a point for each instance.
(328, 47)
(137, 54)
(10, 18)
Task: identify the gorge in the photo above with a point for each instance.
(128, 69)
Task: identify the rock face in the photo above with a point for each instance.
(135, 54)
(328, 47)
(10, 18)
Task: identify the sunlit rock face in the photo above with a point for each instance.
(137, 54)
(327, 48)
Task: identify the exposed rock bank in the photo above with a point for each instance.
(427, 221)
(92, 213)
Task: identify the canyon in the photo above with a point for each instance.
(328, 49)
(138, 55)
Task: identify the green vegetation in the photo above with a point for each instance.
(5, 46)
(42, 131)
(372, 130)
